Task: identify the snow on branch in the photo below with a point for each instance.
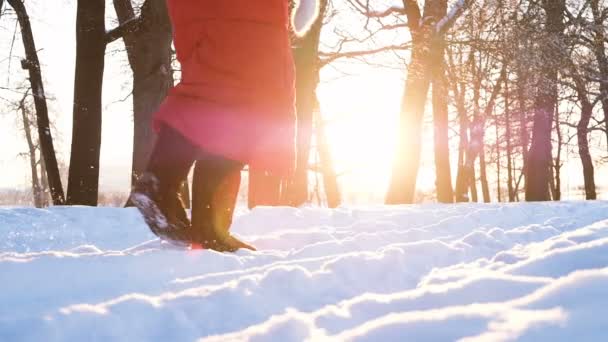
(446, 22)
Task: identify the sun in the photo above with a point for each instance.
(361, 127)
(361, 118)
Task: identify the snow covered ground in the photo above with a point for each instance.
(535, 272)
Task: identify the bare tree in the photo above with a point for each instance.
(440, 96)
(149, 53)
(539, 156)
(476, 145)
(83, 181)
(330, 178)
(91, 41)
(37, 189)
(598, 43)
(32, 64)
(426, 29)
(294, 191)
(582, 131)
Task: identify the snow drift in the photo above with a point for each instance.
(420, 273)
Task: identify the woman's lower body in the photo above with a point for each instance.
(214, 193)
(233, 106)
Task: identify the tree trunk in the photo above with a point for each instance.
(330, 179)
(402, 186)
(461, 194)
(473, 186)
(36, 189)
(582, 134)
(445, 192)
(552, 183)
(426, 32)
(44, 185)
(523, 120)
(557, 165)
(508, 138)
(83, 181)
(306, 58)
(149, 52)
(498, 164)
(466, 174)
(32, 64)
(463, 146)
(539, 156)
(264, 189)
(599, 49)
(485, 188)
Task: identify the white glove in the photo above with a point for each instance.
(304, 15)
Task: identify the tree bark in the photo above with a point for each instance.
(539, 156)
(83, 180)
(32, 64)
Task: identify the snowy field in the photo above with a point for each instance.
(532, 272)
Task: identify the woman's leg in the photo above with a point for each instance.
(214, 194)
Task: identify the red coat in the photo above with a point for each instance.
(236, 98)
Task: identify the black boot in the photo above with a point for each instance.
(163, 212)
(214, 193)
(157, 193)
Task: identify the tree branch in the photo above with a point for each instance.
(332, 56)
(129, 26)
(412, 12)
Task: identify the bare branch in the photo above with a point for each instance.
(129, 26)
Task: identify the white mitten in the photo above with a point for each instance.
(304, 15)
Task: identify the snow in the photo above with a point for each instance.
(531, 272)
